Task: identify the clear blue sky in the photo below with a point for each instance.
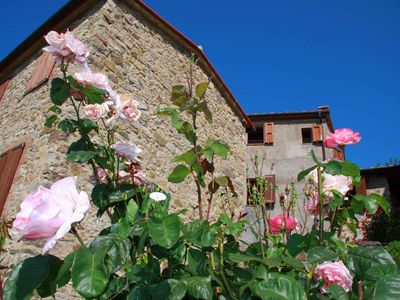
(285, 55)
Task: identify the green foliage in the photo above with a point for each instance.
(59, 91)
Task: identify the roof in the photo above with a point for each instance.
(384, 170)
(323, 112)
(75, 8)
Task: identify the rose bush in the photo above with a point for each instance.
(148, 251)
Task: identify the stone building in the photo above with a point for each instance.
(281, 147)
(142, 55)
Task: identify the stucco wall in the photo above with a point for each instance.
(140, 60)
(285, 159)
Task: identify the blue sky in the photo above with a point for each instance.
(285, 55)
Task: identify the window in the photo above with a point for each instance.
(261, 187)
(255, 136)
(317, 133)
(306, 135)
(42, 72)
(268, 137)
(8, 166)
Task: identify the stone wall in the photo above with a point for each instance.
(141, 60)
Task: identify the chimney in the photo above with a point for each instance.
(323, 107)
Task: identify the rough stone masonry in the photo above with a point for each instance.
(141, 60)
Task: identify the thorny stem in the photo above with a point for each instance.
(309, 279)
(334, 217)
(321, 208)
(75, 232)
(227, 287)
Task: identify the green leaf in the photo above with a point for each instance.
(201, 89)
(314, 157)
(100, 196)
(179, 174)
(293, 262)
(218, 148)
(166, 231)
(55, 109)
(89, 274)
(124, 228)
(67, 125)
(50, 121)
(361, 259)
(179, 95)
(333, 167)
(304, 173)
(280, 287)
(197, 262)
(170, 289)
(337, 292)
(59, 91)
(28, 276)
(49, 286)
(132, 210)
(80, 156)
(320, 255)
(199, 287)
(222, 181)
(94, 95)
(350, 169)
(206, 110)
(64, 274)
(381, 201)
(188, 157)
(166, 111)
(387, 288)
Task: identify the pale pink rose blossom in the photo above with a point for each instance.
(339, 182)
(157, 196)
(101, 174)
(123, 175)
(127, 150)
(49, 213)
(64, 45)
(98, 80)
(96, 111)
(127, 109)
(312, 205)
(333, 273)
(139, 177)
(342, 137)
(282, 222)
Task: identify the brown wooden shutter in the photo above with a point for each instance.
(8, 166)
(338, 154)
(3, 87)
(317, 133)
(270, 189)
(362, 189)
(42, 71)
(268, 131)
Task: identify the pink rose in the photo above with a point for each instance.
(341, 183)
(49, 213)
(333, 273)
(127, 150)
(98, 80)
(282, 222)
(65, 44)
(341, 137)
(122, 175)
(139, 177)
(126, 109)
(96, 111)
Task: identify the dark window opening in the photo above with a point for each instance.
(255, 136)
(306, 135)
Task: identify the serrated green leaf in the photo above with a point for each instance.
(166, 231)
(80, 156)
(320, 255)
(59, 91)
(179, 174)
(199, 287)
(201, 89)
(50, 121)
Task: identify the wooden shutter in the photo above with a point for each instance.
(8, 166)
(317, 133)
(270, 189)
(268, 131)
(338, 154)
(42, 71)
(3, 87)
(362, 189)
